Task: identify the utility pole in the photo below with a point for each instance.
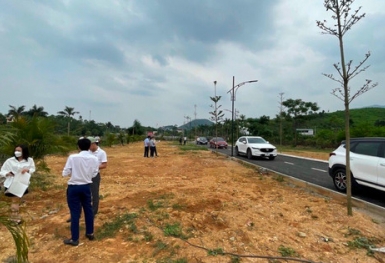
(280, 117)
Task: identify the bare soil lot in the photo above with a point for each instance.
(194, 206)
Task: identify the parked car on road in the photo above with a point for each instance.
(218, 142)
(202, 140)
(255, 146)
(367, 163)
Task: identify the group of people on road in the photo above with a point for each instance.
(83, 185)
(150, 147)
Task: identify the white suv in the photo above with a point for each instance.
(367, 163)
(255, 146)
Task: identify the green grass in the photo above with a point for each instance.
(174, 230)
(287, 251)
(178, 207)
(279, 178)
(159, 246)
(109, 229)
(154, 205)
(353, 232)
(362, 243)
(215, 252)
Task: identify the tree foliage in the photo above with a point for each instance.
(36, 111)
(216, 114)
(16, 112)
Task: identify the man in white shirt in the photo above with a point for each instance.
(102, 158)
(82, 167)
(146, 146)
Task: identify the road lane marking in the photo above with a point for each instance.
(289, 163)
(324, 171)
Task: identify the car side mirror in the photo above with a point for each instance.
(244, 142)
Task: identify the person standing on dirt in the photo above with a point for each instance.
(82, 167)
(184, 140)
(102, 158)
(146, 146)
(180, 140)
(154, 145)
(153, 152)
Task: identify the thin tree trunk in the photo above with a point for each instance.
(347, 128)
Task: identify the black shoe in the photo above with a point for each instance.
(90, 236)
(71, 242)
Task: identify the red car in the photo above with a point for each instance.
(218, 142)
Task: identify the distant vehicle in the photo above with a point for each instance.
(367, 163)
(255, 146)
(202, 140)
(309, 132)
(218, 142)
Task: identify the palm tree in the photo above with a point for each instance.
(37, 111)
(19, 236)
(16, 113)
(3, 119)
(68, 112)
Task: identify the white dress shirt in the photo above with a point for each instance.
(82, 167)
(100, 154)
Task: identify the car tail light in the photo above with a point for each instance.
(332, 154)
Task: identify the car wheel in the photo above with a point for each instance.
(236, 151)
(339, 179)
(271, 157)
(249, 155)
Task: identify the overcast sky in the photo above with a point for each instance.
(156, 60)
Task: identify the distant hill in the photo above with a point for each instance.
(361, 116)
(374, 106)
(195, 123)
(364, 115)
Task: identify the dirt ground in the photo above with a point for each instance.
(194, 206)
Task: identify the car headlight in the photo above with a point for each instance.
(255, 148)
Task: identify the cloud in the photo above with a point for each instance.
(156, 61)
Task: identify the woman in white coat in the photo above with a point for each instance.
(20, 164)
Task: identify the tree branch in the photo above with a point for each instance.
(366, 87)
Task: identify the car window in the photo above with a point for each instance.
(367, 148)
(382, 151)
(256, 140)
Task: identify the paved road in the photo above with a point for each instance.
(312, 171)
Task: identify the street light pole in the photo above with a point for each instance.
(233, 91)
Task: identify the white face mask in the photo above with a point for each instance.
(18, 154)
